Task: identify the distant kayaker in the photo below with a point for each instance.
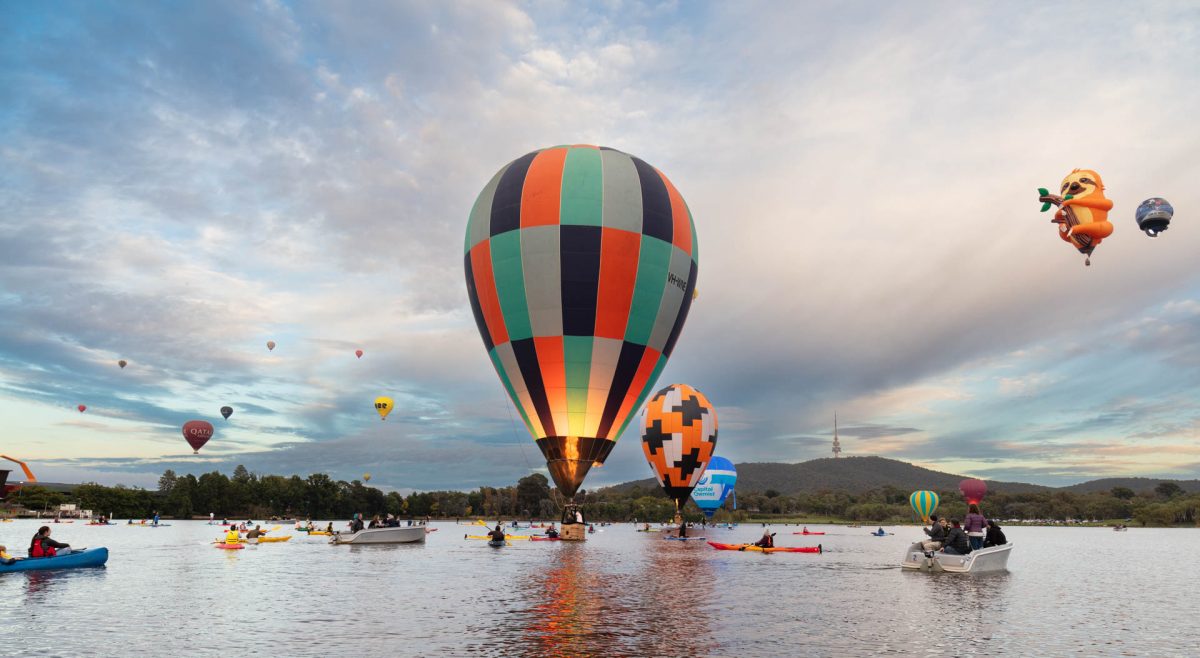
(956, 540)
(767, 540)
(43, 546)
(329, 528)
(233, 536)
(551, 532)
(682, 531)
(995, 536)
(255, 533)
(156, 518)
(497, 534)
(5, 558)
(937, 535)
(880, 531)
(805, 530)
(973, 524)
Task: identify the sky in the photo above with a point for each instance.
(182, 182)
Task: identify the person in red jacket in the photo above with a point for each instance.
(43, 546)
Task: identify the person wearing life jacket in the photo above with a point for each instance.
(767, 540)
(43, 546)
(497, 534)
(5, 558)
(233, 536)
(255, 533)
(551, 532)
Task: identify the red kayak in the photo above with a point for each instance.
(230, 547)
(543, 539)
(808, 533)
(760, 549)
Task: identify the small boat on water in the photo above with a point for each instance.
(401, 535)
(88, 557)
(268, 540)
(994, 558)
(1120, 528)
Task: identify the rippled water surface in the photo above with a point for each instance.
(1069, 591)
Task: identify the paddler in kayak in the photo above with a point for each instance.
(255, 533)
(5, 558)
(497, 534)
(43, 546)
(233, 536)
(551, 532)
(767, 540)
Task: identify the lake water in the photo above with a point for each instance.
(1068, 591)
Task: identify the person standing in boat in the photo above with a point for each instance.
(956, 540)
(974, 523)
(995, 536)
(937, 535)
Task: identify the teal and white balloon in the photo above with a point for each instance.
(715, 484)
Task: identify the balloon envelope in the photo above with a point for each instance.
(122, 363)
(924, 503)
(270, 345)
(580, 265)
(679, 437)
(82, 408)
(1154, 216)
(366, 477)
(358, 353)
(226, 412)
(714, 485)
(383, 405)
(197, 433)
(973, 490)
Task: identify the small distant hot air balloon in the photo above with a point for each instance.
(1154, 216)
(82, 408)
(580, 264)
(678, 439)
(122, 363)
(366, 477)
(358, 353)
(270, 345)
(197, 433)
(973, 490)
(924, 503)
(715, 485)
(226, 412)
(384, 406)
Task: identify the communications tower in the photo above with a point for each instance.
(837, 446)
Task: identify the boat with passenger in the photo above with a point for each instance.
(994, 558)
(385, 535)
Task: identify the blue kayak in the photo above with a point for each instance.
(88, 557)
(685, 538)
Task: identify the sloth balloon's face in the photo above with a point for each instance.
(1081, 182)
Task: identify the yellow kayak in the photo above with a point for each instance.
(272, 540)
(317, 532)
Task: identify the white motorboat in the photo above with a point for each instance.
(994, 558)
(401, 535)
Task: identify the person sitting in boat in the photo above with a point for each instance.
(497, 534)
(329, 528)
(647, 528)
(767, 540)
(255, 533)
(591, 528)
(956, 540)
(393, 521)
(937, 535)
(973, 524)
(995, 536)
(551, 532)
(880, 531)
(374, 522)
(356, 524)
(233, 536)
(805, 530)
(5, 558)
(43, 546)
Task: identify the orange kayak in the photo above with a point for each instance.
(760, 549)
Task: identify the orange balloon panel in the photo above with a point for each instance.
(678, 438)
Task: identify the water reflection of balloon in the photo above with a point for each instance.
(270, 345)
(678, 439)
(924, 503)
(226, 412)
(197, 433)
(383, 405)
(715, 485)
(580, 265)
(973, 490)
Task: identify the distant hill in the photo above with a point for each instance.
(852, 474)
(1138, 485)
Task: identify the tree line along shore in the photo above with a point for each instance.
(318, 496)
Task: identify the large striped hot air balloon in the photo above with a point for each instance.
(924, 503)
(580, 264)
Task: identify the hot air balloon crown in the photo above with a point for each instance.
(580, 265)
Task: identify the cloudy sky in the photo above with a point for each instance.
(181, 182)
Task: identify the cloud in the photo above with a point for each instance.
(183, 184)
